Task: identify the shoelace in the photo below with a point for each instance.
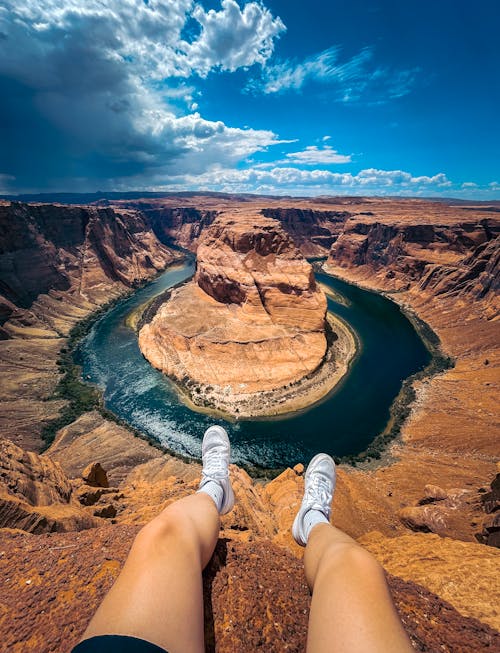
(214, 465)
(319, 490)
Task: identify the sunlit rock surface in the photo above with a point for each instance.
(445, 582)
(251, 321)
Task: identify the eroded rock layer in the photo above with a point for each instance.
(58, 264)
(441, 476)
(252, 321)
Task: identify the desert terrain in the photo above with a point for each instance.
(427, 507)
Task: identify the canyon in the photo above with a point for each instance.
(427, 509)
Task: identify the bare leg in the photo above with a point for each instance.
(351, 609)
(159, 594)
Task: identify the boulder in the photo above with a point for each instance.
(107, 511)
(433, 493)
(95, 475)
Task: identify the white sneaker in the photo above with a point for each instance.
(215, 451)
(319, 486)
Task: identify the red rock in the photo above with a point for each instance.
(95, 475)
(255, 596)
(252, 322)
(433, 493)
(36, 495)
(313, 231)
(107, 511)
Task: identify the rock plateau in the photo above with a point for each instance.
(249, 334)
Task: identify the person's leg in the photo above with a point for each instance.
(158, 596)
(351, 608)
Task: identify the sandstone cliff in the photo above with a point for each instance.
(176, 225)
(313, 231)
(461, 259)
(58, 264)
(36, 496)
(83, 249)
(440, 476)
(252, 323)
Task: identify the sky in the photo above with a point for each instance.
(281, 97)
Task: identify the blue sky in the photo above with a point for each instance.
(280, 96)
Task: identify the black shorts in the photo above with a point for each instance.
(116, 644)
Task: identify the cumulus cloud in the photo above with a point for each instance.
(83, 92)
(314, 155)
(232, 38)
(291, 180)
(356, 79)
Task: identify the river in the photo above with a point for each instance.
(342, 424)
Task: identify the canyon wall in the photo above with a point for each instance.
(174, 225)
(314, 231)
(461, 259)
(58, 264)
(437, 260)
(79, 249)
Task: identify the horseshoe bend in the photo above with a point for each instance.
(249, 335)
(76, 483)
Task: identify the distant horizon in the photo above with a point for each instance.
(138, 194)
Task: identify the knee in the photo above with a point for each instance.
(351, 559)
(172, 526)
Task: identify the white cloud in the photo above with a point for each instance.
(356, 79)
(314, 155)
(232, 38)
(96, 106)
(295, 181)
(147, 36)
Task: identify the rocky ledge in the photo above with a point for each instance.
(249, 335)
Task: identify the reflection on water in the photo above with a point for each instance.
(344, 424)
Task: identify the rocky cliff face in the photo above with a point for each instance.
(172, 223)
(313, 231)
(85, 249)
(35, 494)
(181, 227)
(57, 265)
(249, 261)
(460, 259)
(251, 322)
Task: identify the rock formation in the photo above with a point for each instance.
(312, 230)
(438, 260)
(58, 264)
(461, 259)
(251, 322)
(85, 249)
(35, 494)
